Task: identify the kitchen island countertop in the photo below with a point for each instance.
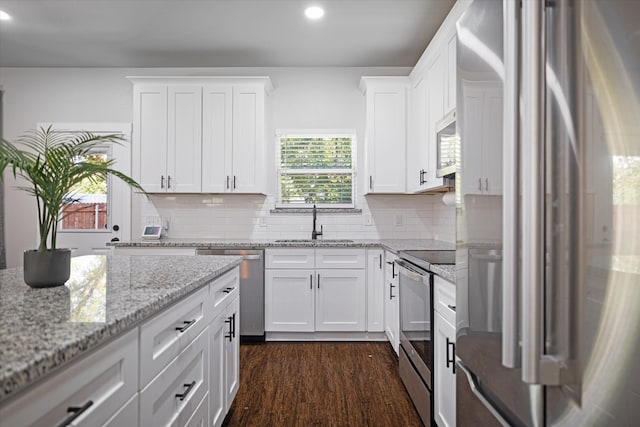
(43, 329)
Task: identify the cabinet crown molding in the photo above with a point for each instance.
(203, 80)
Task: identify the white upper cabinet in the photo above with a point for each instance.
(417, 147)
(433, 96)
(482, 116)
(184, 138)
(195, 135)
(150, 135)
(386, 133)
(217, 136)
(167, 137)
(233, 139)
(450, 75)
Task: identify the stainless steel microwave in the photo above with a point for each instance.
(448, 145)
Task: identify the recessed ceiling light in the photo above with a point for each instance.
(314, 12)
(4, 16)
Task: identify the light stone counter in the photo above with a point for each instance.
(393, 245)
(42, 329)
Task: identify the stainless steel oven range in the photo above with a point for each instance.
(416, 320)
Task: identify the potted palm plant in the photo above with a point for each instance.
(53, 162)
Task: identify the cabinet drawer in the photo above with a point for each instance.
(107, 377)
(186, 378)
(340, 258)
(165, 335)
(201, 416)
(127, 415)
(290, 258)
(445, 299)
(222, 291)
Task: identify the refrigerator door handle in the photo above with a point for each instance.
(531, 174)
(473, 385)
(510, 213)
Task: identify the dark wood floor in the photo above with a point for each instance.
(320, 384)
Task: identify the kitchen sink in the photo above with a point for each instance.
(312, 241)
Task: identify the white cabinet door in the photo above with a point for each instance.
(482, 117)
(340, 300)
(200, 417)
(248, 139)
(184, 138)
(417, 145)
(385, 139)
(128, 415)
(375, 290)
(435, 95)
(217, 134)
(217, 388)
(150, 136)
(391, 302)
(232, 353)
(289, 300)
(450, 75)
(444, 394)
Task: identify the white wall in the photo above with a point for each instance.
(303, 98)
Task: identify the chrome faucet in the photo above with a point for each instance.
(314, 233)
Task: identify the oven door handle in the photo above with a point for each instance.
(408, 270)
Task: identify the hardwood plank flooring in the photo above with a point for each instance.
(320, 384)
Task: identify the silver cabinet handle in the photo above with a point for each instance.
(486, 184)
(511, 215)
(162, 181)
(168, 181)
(479, 184)
(234, 182)
(370, 182)
(227, 182)
(311, 281)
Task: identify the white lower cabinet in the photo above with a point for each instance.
(224, 347)
(444, 390)
(375, 290)
(173, 396)
(289, 300)
(179, 368)
(92, 389)
(340, 300)
(391, 301)
(332, 297)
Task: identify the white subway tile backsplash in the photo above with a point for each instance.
(238, 216)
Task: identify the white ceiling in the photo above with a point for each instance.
(216, 33)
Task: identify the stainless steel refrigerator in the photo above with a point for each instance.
(548, 213)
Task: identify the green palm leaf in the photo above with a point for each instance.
(53, 162)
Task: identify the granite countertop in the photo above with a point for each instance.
(393, 245)
(446, 271)
(42, 329)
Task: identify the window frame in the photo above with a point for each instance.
(315, 133)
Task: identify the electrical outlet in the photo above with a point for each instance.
(397, 220)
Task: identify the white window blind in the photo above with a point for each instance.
(316, 169)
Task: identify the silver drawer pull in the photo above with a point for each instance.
(451, 307)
